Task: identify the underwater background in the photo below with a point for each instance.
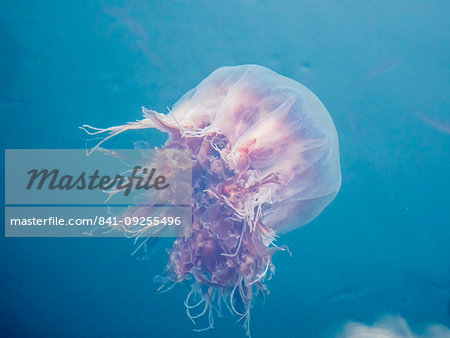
(381, 68)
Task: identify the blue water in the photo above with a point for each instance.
(382, 68)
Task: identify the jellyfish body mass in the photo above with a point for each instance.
(265, 161)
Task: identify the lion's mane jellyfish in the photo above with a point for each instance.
(265, 161)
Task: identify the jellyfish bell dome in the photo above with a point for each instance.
(273, 125)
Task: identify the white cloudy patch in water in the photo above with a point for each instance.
(391, 327)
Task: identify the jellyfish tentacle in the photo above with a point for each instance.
(186, 302)
(260, 275)
(192, 317)
(114, 131)
(232, 297)
(207, 298)
(239, 243)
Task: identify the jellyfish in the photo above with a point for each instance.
(265, 161)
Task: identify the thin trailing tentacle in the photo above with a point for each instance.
(207, 299)
(260, 276)
(114, 131)
(232, 297)
(239, 243)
